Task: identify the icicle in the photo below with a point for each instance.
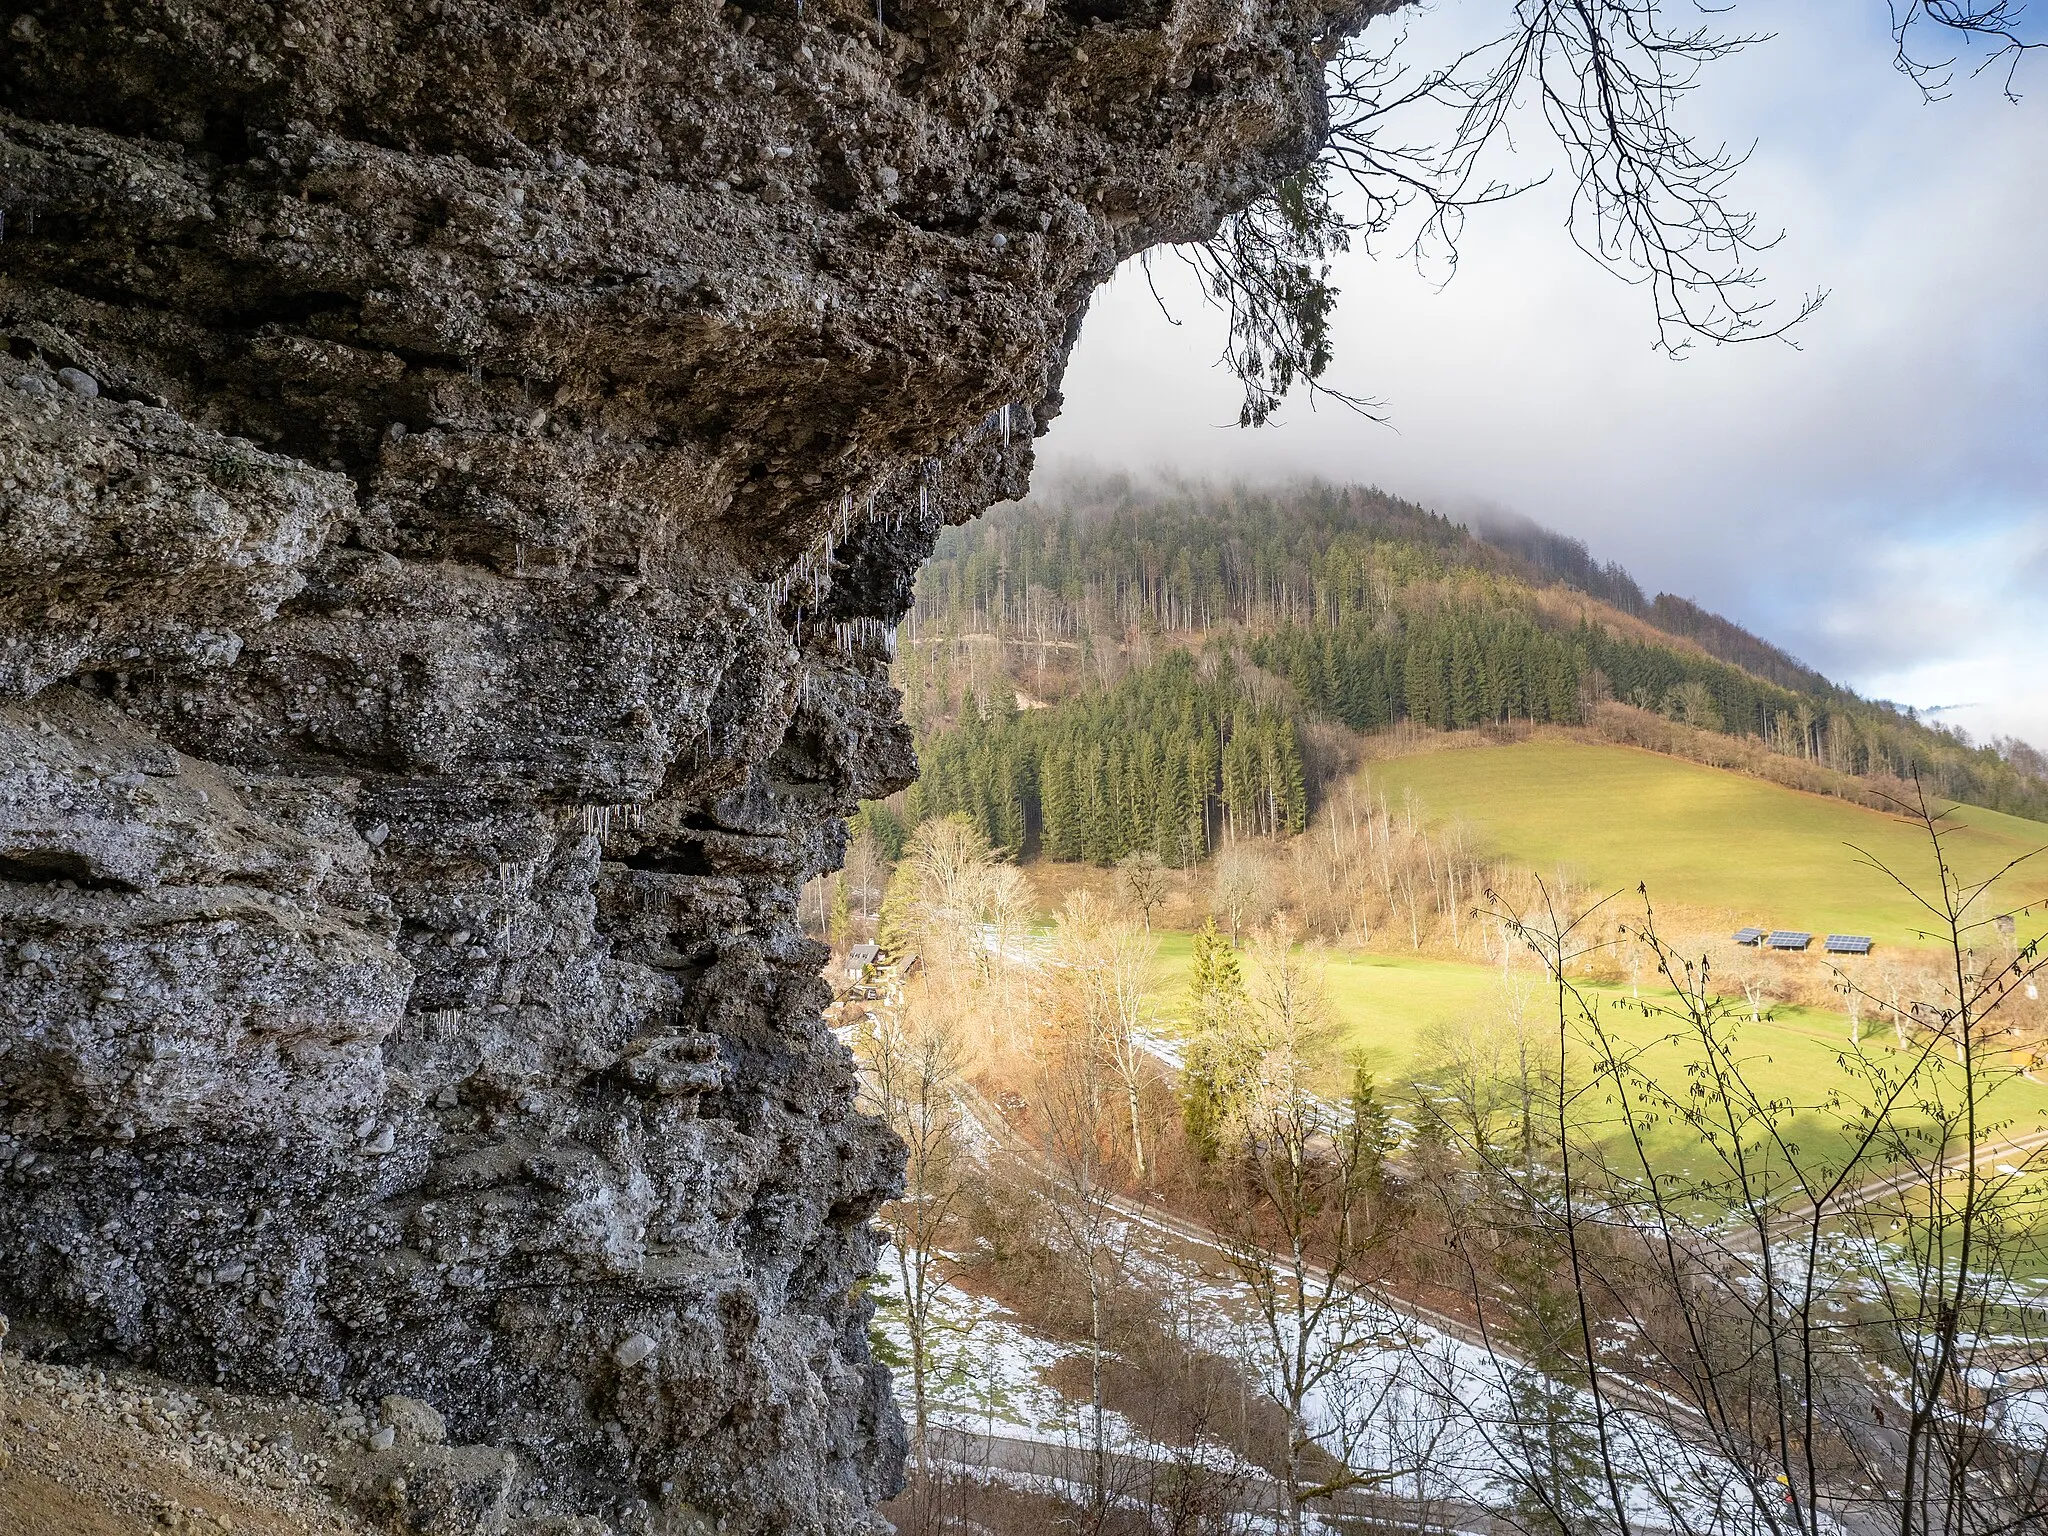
(599, 818)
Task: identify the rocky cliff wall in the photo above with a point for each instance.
(461, 462)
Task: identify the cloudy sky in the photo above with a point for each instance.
(1875, 500)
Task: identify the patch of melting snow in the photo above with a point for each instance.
(1168, 1048)
(1434, 1403)
(988, 1374)
(1429, 1403)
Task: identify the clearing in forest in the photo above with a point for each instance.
(1615, 816)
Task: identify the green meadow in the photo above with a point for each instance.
(1704, 838)
(1386, 1009)
(1614, 817)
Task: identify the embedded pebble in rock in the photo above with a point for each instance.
(633, 1349)
(413, 1422)
(445, 621)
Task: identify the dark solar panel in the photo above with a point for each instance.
(1748, 935)
(1786, 938)
(1848, 944)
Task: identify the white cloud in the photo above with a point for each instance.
(1875, 501)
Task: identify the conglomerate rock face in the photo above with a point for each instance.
(461, 463)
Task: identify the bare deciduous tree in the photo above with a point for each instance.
(1828, 1299)
(1242, 886)
(1608, 80)
(911, 1076)
(1071, 1102)
(1142, 880)
(1303, 1181)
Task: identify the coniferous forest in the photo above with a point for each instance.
(1107, 669)
(1169, 760)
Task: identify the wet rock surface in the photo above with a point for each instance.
(461, 464)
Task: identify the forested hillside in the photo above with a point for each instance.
(1183, 642)
(1169, 759)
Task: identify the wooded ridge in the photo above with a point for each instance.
(1184, 641)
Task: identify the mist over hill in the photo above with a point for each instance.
(1566, 561)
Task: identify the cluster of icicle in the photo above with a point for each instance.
(813, 567)
(515, 885)
(515, 877)
(598, 818)
(865, 634)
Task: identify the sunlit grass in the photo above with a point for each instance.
(1616, 816)
(1388, 1010)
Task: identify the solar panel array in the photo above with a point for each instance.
(1792, 938)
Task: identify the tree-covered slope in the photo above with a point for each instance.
(1354, 606)
(1170, 759)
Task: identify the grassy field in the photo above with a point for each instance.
(1388, 1008)
(1727, 848)
(1614, 816)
